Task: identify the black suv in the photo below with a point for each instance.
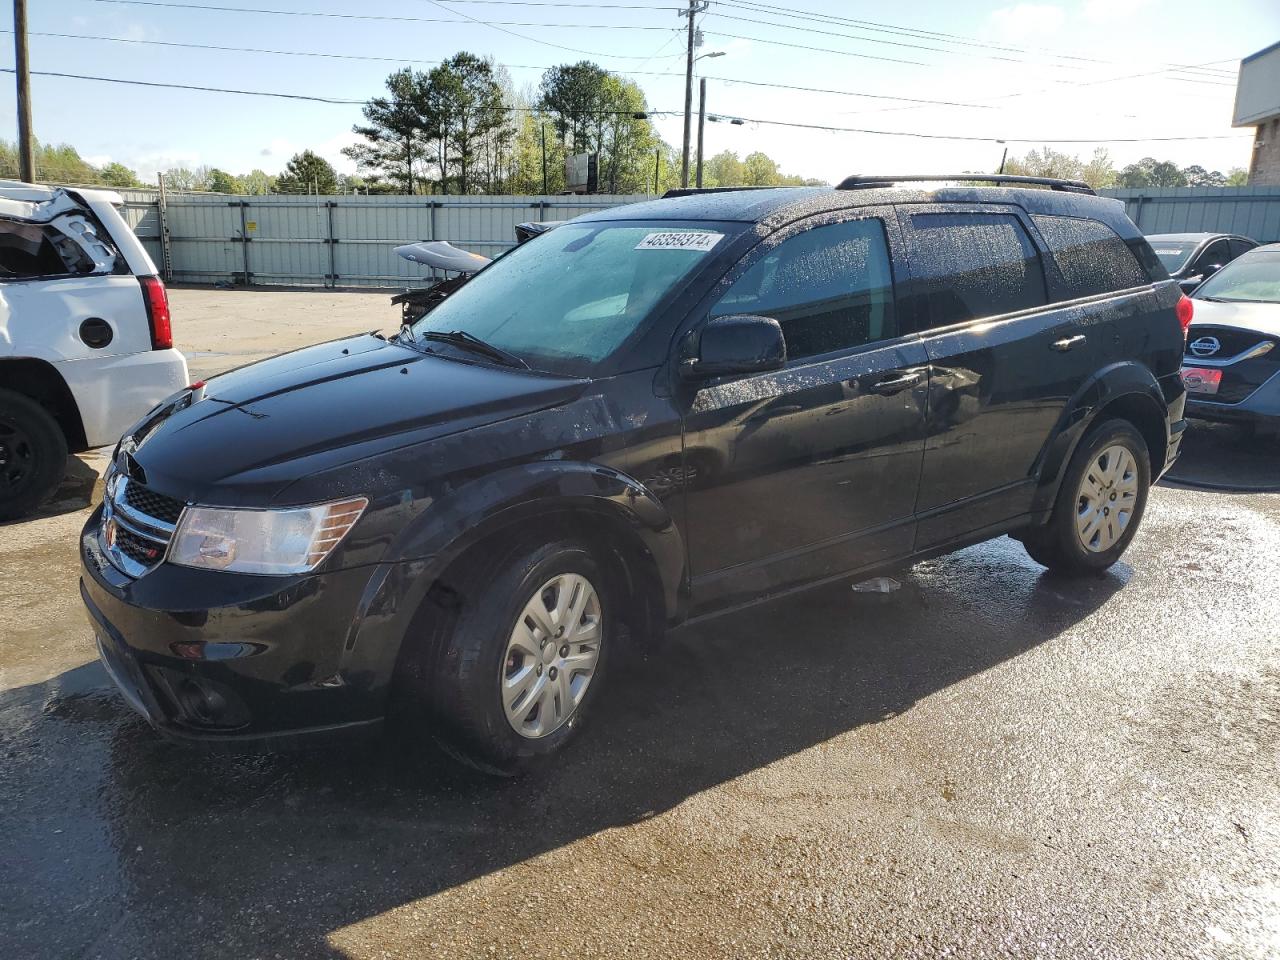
(653, 413)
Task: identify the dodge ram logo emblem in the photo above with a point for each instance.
(1205, 346)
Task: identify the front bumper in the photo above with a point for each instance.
(236, 660)
(1260, 409)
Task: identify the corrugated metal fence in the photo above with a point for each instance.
(329, 241)
(348, 241)
(1250, 211)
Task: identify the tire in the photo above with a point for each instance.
(33, 455)
(453, 677)
(1089, 528)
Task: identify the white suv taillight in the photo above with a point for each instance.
(157, 300)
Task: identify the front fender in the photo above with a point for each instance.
(1111, 383)
(470, 512)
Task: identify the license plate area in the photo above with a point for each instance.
(1201, 380)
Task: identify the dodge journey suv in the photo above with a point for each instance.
(648, 414)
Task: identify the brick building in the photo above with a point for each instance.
(1258, 106)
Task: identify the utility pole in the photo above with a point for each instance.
(695, 7)
(657, 162)
(543, 127)
(22, 71)
(1004, 156)
(702, 120)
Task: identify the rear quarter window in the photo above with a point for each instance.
(973, 265)
(1090, 256)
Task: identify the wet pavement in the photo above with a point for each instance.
(988, 762)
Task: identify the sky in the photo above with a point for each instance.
(1083, 70)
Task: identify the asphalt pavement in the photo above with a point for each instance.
(988, 762)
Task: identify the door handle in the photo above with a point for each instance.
(892, 385)
(1066, 343)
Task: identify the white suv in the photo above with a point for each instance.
(86, 348)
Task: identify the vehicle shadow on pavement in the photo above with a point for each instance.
(1227, 458)
(122, 845)
(81, 487)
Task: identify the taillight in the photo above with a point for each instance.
(1185, 310)
(157, 301)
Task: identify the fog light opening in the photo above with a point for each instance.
(200, 703)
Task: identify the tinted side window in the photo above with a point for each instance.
(974, 265)
(1090, 256)
(1216, 253)
(830, 288)
(1238, 247)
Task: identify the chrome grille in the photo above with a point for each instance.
(137, 525)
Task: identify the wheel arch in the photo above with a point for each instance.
(1126, 391)
(629, 526)
(40, 381)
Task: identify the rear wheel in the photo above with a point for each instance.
(33, 454)
(506, 678)
(1100, 503)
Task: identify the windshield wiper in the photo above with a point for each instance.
(467, 341)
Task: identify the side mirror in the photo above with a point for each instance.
(1209, 270)
(737, 344)
(1187, 284)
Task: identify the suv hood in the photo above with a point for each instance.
(249, 433)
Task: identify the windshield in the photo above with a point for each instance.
(568, 299)
(1172, 255)
(1254, 277)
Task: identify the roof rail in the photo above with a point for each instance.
(863, 181)
(691, 191)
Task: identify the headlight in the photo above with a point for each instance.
(288, 540)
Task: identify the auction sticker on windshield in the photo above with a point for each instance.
(680, 240)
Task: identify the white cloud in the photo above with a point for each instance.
(147, 165)
(1026, 21)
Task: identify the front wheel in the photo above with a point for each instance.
(513, 671)
(33, 454)
(1099, 505)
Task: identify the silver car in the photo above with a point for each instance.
(1232, 364)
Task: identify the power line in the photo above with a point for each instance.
(403, 19)
(850, 93)
(556, 3)
(790, 13)
(520, 66)
(1057, 66)
(653, 113)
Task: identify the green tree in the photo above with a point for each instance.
(572, 94)
(758, 170)
(182, 180)
(1237, 177)
(55, 163)
(1046, 162)
(258, 183)
(1198, 176)
(1149, 172)
(627, 138)
(394, 133)
(220, 181)
(465, 108)
(307, 172)
(118, 175)
(723, 170)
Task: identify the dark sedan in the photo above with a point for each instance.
(1192, 258)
